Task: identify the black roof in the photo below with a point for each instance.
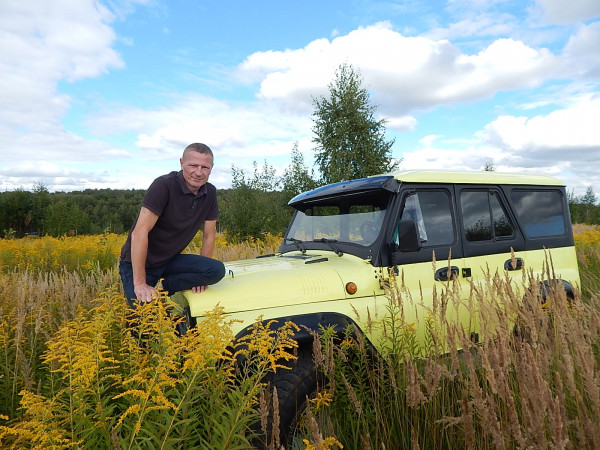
(386, 182)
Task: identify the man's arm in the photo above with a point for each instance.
(139, 251)
(208, 245)
(208, 238)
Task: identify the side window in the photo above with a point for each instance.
(541, 212)
(502, 225)
(484, 217)
(432, 212)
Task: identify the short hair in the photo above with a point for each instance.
(200, 148)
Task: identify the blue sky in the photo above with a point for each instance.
(106, 94)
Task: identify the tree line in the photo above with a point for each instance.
(255, 204)
(585, 208)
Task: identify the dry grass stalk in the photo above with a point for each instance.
(353, 397)
(414, 395)
(264, 404)
(313, 426)
(275, 429)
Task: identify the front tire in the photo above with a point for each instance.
(294, 386)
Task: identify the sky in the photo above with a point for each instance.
(107, 93)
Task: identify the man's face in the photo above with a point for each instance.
(196, 168)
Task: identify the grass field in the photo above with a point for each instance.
(72, 377)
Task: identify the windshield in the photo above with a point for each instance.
(352, 220)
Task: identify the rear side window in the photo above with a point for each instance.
(484, 217)
(541, 212)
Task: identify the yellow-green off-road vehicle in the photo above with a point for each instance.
(345, 239)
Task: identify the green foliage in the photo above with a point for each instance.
(17, 213)
(585, 208)
(59, 213)
(254, 206)
(350, 142)
(63, 218)
(589, 198)
(296, 178)
(110, 209)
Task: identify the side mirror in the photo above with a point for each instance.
(408, 236)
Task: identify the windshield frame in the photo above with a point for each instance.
(377, 193)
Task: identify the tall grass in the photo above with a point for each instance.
(73, 376)
(532, 382)
(101, 252)
(100, 386)
(587, 242)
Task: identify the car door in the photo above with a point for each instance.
(492, 244)
(428, 273)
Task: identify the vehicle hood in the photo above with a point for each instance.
(274, 281)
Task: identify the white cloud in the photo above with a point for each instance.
(572, 131)
(44, 43)
(404, 74)
(47, 143)
(428, 140)
(57, 40)
(404, 123)
(238, 131)
(476, 25)
(582, 52)
(561, 12)
(21, 174)
(564, 143)
(34, 169)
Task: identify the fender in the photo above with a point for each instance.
(310, 322)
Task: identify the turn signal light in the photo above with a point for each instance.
(351, 288)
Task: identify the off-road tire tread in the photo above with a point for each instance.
(293, 386)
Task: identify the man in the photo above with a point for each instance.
(174, 208)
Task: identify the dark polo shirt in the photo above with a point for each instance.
(181, 214)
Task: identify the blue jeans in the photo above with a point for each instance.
(180, 273)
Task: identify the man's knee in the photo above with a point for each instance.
(217, 271)
(212, 272)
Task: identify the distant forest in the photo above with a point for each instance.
(245, 212)
(96, 211)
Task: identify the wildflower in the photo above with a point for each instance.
(322, 400)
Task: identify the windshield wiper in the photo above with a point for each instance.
(330, 243)
(297, 243)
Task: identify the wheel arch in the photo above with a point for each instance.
(311, 323)
(546, 287)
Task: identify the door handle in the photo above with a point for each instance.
(446, 273)
(508, 264)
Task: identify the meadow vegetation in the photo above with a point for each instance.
(72, 376)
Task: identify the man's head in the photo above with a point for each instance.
(200, 148)
(196, 165)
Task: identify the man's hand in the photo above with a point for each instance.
(144, 293)
(198, 289)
